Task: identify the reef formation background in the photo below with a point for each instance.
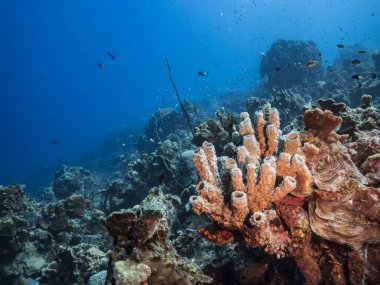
(278, 182)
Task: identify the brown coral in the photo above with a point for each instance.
(352, 219)
(219, 237)
(332, 166)
(322, 123)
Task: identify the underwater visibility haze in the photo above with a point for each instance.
(190, 142)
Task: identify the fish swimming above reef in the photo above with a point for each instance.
(331, 69)
(355, 76)
(111, 55)
(202, 73)
(263, 54)
(356, 61)
(340, 45)
(311, 63)
(101, 65)
(362, 52)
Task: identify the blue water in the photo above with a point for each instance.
(51, 87)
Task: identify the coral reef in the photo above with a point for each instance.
(70, 180)
(263, 194)
(143, 251)
(278, 177)
(351, 218)
(159, 128)
(61, 243)
(285, 63)
(291, 205)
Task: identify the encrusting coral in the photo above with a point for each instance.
(144, 253)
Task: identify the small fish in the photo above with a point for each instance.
(360, 85)
(101, 65)
(362, 52)
(373, 76)
(355, 76)
(55, 142)
(277, 69)
(151, 140)
(263, 54)
(202, 73)
(311, 63)
(356, 61)
(161, 178)
(340, 45)
(111, 55)
(331, 69)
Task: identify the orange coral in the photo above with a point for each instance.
(219, 237)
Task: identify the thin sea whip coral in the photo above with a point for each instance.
(179, 98)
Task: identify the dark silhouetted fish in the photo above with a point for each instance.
(355, 76)
(362, 52)
(111, 55)
(340, 45)
(331, 69)
(202, 73)
(373, 76)
(162, 179)
(55, 142)
(101, 65)
(311, 63)
(356, 61)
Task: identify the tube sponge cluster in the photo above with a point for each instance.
(257, 177)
